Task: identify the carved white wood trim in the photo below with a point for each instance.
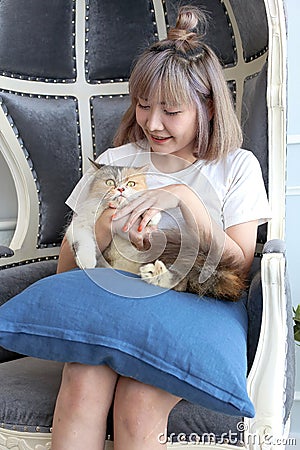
(15, 440)
(160, 19)
(24, 183)
(276, 101)
(21, 440)
(266, 380)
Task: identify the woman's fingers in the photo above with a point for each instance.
(134, 211)
(126, 210)
(140, 239)
(146, 207)
(147, 217)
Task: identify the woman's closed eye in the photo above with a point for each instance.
(143, 106)
(168, 111)
(171, 113)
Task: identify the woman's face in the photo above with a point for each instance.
(169, 129)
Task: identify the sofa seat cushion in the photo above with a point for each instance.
(29, 387)
(15, 279)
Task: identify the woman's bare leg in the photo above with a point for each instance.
(140, 415)
(82, 406)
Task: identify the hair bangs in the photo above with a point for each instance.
(160, 76)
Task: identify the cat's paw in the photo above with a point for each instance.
(85, 261)
(157, 274)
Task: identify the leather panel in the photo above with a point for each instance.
(41, 33)
(255, 119)
(107, 113)
(254, 32)
(48, 130)
(219, 35)
(255, 128)
(117, 32)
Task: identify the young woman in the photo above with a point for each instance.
(181, 123)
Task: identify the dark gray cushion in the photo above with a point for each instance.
(15, 279)
(28, 392)
(190, 423)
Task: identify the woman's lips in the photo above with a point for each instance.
(159, 139)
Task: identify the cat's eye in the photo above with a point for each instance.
(110, 182)
(130, 184)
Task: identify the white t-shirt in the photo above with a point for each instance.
(232, 189)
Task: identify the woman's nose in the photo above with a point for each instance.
(154, 121)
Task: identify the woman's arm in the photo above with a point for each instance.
(243, 238)
(66, 260)
(239, 240)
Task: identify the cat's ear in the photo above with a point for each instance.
(96, 165)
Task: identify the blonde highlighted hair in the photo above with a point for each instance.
(182, 69)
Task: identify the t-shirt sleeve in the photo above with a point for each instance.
(80, 191)
(246, 197)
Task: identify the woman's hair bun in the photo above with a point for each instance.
(191, 23)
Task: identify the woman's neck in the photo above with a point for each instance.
(170, 163)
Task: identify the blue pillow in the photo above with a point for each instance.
(192, 347)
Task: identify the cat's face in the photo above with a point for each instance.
(113, 182)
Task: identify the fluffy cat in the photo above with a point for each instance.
(110, 185)
(174, 259)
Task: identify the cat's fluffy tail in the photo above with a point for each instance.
(224, 280)
(202, 267)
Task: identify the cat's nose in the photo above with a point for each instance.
(121, 189)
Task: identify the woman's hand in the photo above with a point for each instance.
(139, 238)
(141, 210)
(105, 230)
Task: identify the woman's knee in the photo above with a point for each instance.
(139, 406)
(91, 383)
(78, 376)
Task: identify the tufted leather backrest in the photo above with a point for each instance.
(64, 68)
